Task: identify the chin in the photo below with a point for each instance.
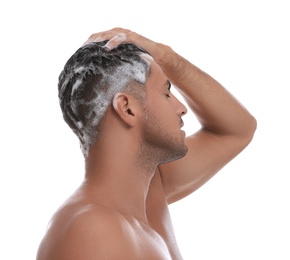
(185, 151)
(176, 154)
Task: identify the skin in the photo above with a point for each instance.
(143, 162)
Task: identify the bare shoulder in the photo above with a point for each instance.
(87, 232)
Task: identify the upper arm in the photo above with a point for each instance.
(207, 154)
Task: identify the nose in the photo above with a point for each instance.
(180, 108)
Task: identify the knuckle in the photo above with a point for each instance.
(92, 36)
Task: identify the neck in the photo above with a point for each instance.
(116, 170)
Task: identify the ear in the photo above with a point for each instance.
(125, 105)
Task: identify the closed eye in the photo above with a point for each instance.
(168, 84)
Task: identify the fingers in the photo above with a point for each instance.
(109, 35)
(117, 36)
(116, 40)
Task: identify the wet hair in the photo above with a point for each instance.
(89, 81)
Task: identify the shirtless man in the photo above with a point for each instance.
(116, 98)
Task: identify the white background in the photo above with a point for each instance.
(243, 212)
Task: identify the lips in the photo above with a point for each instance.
(181, 123)
(183, 133)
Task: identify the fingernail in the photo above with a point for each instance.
(106, 48)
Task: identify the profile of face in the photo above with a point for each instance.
(163, 118)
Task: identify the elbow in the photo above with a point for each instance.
(252, 126)
(250, 130)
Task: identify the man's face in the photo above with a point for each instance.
(162, 118)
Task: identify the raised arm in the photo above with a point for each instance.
(226, 126)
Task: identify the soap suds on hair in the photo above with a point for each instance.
(89, 81)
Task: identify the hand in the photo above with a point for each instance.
(118, 36)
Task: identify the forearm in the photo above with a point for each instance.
(216, 109)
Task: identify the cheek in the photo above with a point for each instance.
(161, 109)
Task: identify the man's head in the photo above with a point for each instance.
(90, 80)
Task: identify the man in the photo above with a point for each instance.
(116, 97)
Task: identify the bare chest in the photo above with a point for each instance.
(154, 245)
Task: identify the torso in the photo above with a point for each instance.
(152, 240)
